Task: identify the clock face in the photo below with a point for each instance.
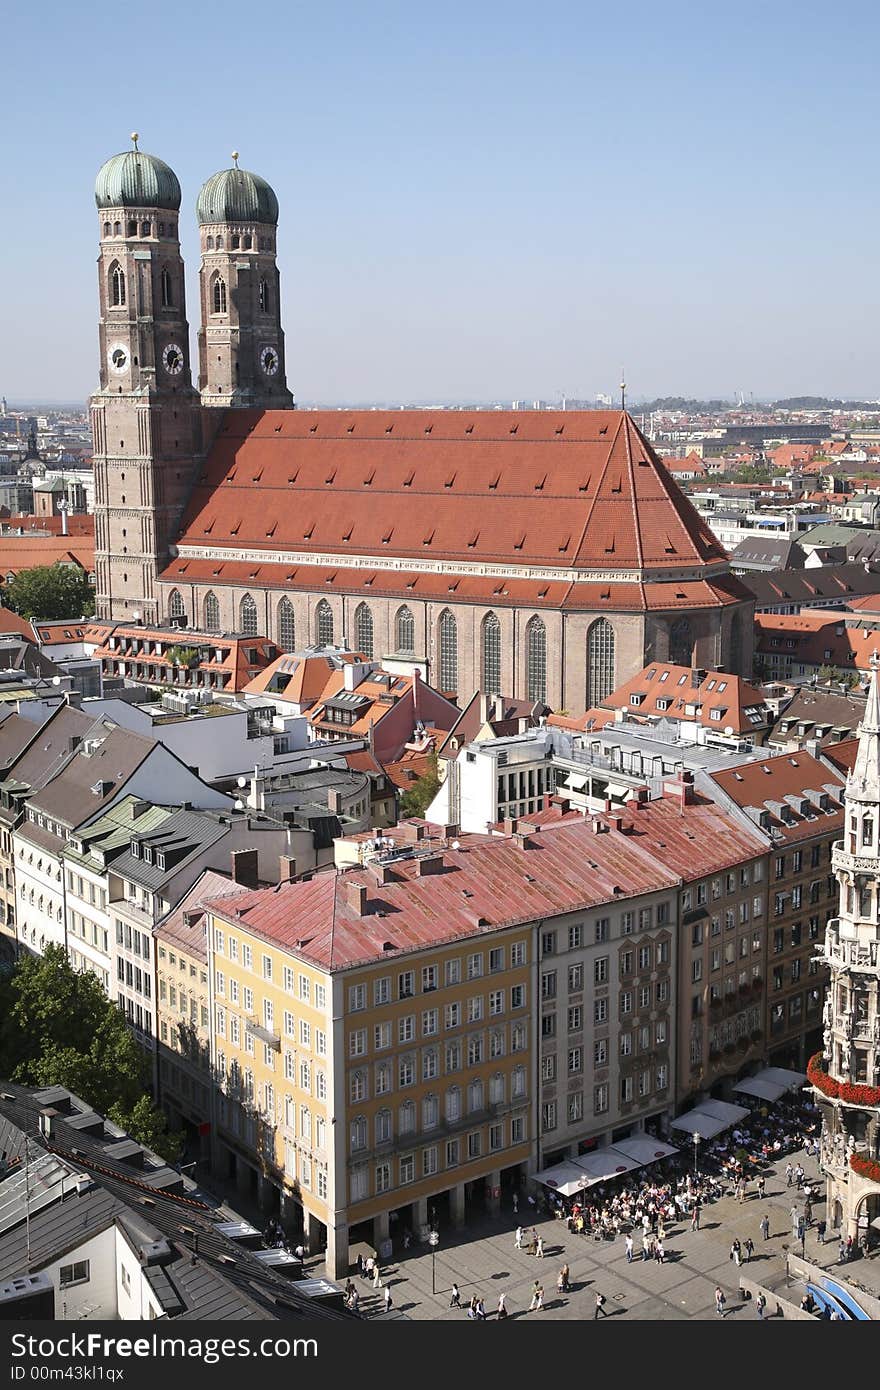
(172, 359)
(117, 358)
(269, 360)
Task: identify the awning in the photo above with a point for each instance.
(644, 1150)
(780, 1076)
(618, 789)
(763, 1090)
(565, 1178)
(710, 1118)
(606, 1163)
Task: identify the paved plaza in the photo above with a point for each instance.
(482, 1259)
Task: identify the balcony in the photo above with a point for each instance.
(855, 862)
(858, 955)
(265, 1035)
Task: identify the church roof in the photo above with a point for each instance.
(563, 490)
(235, 195)
(134, 179)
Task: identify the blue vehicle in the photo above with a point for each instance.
(846, 1301)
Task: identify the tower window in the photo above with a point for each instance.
(219, 243)
(324, 623)
(167, 290)
(536, 659)
(600, 661)
(235, 243)
(406, 630)
(364, 629)
(161, 228)
(491, 654)
(212, 613)
(117, 285)
(146, 228)
(209, 244)
(248, 243)
(286, 625)
(219, 295)
(247, 616)
(448, 651)
(106, 228)
(264, 297)
(132, 229)
(117, 228)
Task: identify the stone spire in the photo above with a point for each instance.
(863, 783)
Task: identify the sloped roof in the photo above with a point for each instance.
(718, 699)
(768, 782)
(571, 489)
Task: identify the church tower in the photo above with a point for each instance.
(846, 1077)
(241, 345)
(146, 424)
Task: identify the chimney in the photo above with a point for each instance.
(45, 1122)
(450, 832)
(416, 692)
(510, 824)
(698, 675)
(244, 867)
(355, 894)
(615, 821)
(484, 707)
(334, 798)
(682, 789)
(286, 869)
(431, 864)
(642, 797)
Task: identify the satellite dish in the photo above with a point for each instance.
(56, 680)
(728, 729)
(456, 844)
(241, 781)
(239, 804)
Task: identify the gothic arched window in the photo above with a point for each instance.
(448, 651)
(286, 625)
(264, 297)
(106, 228)
(176, 607)
(167, 289)
(247, 616)
(600, 661)
(219, 295)
(117, 285)
(212, 612)
(363, 623)
(406, 631)
(681, 643)
(536, 659)
(491, 655)
(324, 624)
(209, 244)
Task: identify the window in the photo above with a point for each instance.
(167, 289)
(600, 970)
(626, 1089)
(430, 1022)
(363, 626)
(491, 654)
(247, 616)
(575, 978)
(496, 1001)
(475, 1009)
(265, 299)
(548, 1067)
(305, 1033)
(548, 984)
(697, 969)
(448, 663)
(76, 1273)
(600, 1099)
(548, 1025)
(324, 623)
(382, 990)
(681, 643)
(453, 972)
(452, 1015)
(575, 1060)
(406, 632)
(548, 943)
(406, 1071)
(600, 1011)
(475, 966)
(357, 1042)
(406, 984)
(218, 295)
(496, 959)
(536, 660)
(475, 1050)
(117, 286)
(407, 1169)
(475, 1144)
(518, 953)
(406, 1028)
(286, 626)
(453, 1056)
(548, 1116)
(602, 927)
(600, 662)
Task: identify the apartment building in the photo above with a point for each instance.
(797, 801)
(183, 1036)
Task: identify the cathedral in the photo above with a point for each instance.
(544, 555)
(846, 1076)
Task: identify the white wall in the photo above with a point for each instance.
(95, 1299)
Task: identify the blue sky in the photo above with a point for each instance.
(477, 201)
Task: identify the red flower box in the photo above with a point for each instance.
(865, 1167)
(850, 1092)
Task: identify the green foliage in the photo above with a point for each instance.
(182, 656)
(58, 1028)
(50, 593)
(416, 800)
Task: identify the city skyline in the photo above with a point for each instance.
(477, 211)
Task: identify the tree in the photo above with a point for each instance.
(50, 593)
(58, 1028)
(416, 800)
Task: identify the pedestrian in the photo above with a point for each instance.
(360, 1263)
(502, 1306)
(735, 1253)
(515, 1203)
(760, 1305)
(518, 1245)
(368, 1266)
(765, 1227)
(660, 1253)
(695, 1218)
(539, 1248)
(600, 1306)
(646, 1247)
(354, 1301)
(720, 1301)
(749, 1247)
(799, 1176)
(300, 1253)
(821, 1228)
(455, 1300)
(537, 1297)
(789, 1174)
(387, 1298)
(377, 1275)
(565, 1274)
(841, 1251)
(481, 1310)
(794, 1220)
(762, 1183)
(629, 1249)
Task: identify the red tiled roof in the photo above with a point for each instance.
(492, 883)
(30, 552)
(773, 779)
(11, 622)
(720, 700)
(573, 489)
(816, 638)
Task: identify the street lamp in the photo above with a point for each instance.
(433, 1241)
(696, 1141)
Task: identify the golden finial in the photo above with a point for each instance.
(134, 138)
(235, 158)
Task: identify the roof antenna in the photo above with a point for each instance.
(134, 138)
(622, 389)
(235, 158)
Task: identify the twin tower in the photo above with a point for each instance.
(150, 428)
